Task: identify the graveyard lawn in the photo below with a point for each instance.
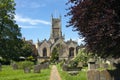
(82, 75)
(8, 73)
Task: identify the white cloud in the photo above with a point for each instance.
(31, 21)
(21, 26)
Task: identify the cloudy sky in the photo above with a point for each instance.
(34, 18)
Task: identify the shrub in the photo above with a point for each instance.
(23, 64)
(83, 57)
(72, 64)
(62, 62)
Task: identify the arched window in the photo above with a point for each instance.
(71, 52)
(44, 52)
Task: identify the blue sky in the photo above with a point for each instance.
(34, 18)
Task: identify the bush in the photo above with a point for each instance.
(83, 57)
(62, 62)
(4, 61)
(24, 64)
(73, 64)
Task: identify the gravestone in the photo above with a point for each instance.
(93, 75)
(0, 67)
(80, 64)
(73, 73)
(65, 67)
(14, 66)
(26, 70)
(91, 64)
(97, 66)
(36, 69)
(106, 66)
(105, 75)
(44, 66)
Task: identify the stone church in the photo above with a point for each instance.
(66, 49)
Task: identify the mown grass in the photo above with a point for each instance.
(8, 73)
(66, 76)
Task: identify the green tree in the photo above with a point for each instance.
(27, 49)
(83, 56)
(98, 21)
(55, 55)
(10, 36)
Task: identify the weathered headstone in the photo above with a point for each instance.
(65, 67)
(73, 72)
(105, 66)
(27, 70)
(44, 66)
(0, 66)
(91, 64)
(36, 69)
(14, 66)
(80, 64)
(105, 75)
(97, 66)
(93, 75)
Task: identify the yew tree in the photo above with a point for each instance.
(98, 21)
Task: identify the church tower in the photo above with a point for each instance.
(56, 32)
(66, 50)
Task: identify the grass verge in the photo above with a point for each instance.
(8, 73)
(65, 76)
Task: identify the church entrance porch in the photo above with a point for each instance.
(59, 52)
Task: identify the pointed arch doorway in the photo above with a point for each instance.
(71, 52)
(44, 52)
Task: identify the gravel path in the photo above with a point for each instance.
(54, 74)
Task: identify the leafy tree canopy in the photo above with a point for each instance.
(27, 49)
(98, 21)
(55, 55)
(10, 35)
